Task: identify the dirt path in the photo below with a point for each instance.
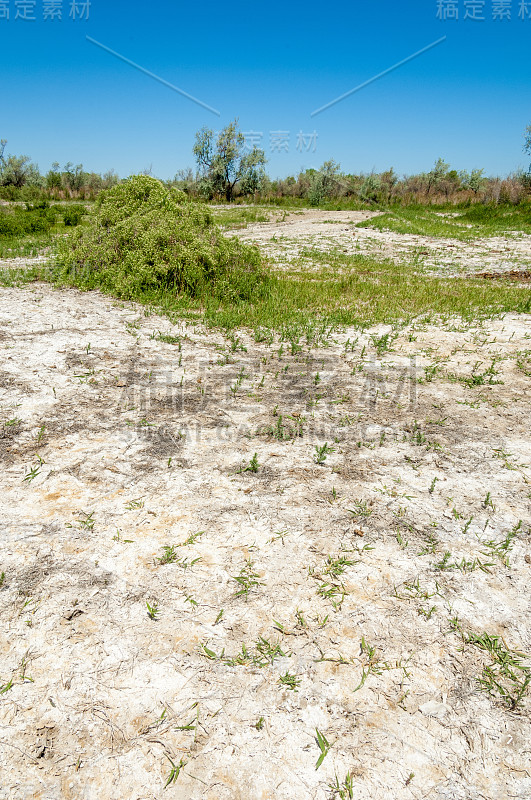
(360, 597)
(335, 230)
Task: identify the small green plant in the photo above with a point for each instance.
(382, 343)
(174, 772)
(324, 746)
(290, 681)
(32, 474)
(191, 539)
(506, 677)
(332, 592)
(268, 651)
(337, 566)
(6, 686)
(427, 612)
(169, 555)
(373, 666)
(135, 504)
(299, 616)
(344, 790)
(118, 538)
(279, 536)
(432, 485)
(152, 610)
(12, 423)
(488, 502)
(260, 724)
(247, 579)
(87, 520)
(400, 539)
(430, 372)
(321, 453)
(252, 466)
(167, 338)
(501, 549)
(283, 430)
(361, 509)
(2, 579)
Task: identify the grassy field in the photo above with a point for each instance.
(472, 223)
(339, 289)
(357, 291)
(234, 217)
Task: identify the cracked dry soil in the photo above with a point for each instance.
(366, 584)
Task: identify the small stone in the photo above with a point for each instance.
(433, 709)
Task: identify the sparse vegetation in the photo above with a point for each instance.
(149, 419)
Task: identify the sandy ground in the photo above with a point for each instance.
(341, 597)
(335, 230)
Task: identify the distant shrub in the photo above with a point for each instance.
(144, 239)
(73, 214)
(21, 222)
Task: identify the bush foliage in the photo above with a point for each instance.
(72, 215)
(145, 239)
(21, 221)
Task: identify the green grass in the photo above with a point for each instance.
(237, 217)
(320, 292)
(474, 222)
(355, 290)
(33, 244)
(24, 246)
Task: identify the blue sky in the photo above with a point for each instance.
(467, 100)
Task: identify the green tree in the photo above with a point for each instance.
(370, 189)
(53, 177)
(225, 164)
(438, 174)
(73, 177)
(17, 171)
(324, 183)
(527, 142)
(473, 180)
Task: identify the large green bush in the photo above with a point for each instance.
(144, 239)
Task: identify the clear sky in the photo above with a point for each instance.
(467, 99)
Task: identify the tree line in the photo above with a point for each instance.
(226, 170)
